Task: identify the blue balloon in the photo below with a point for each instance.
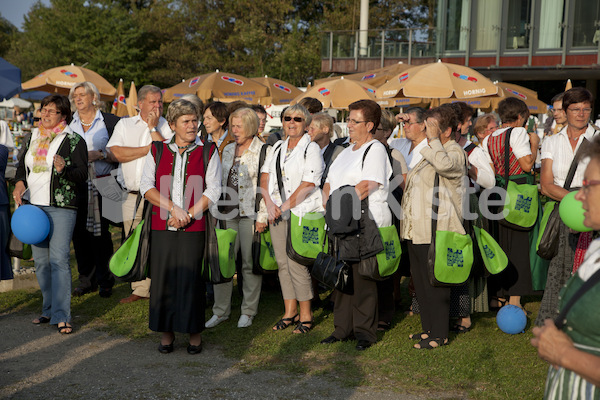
(30, 224)
(511, 319)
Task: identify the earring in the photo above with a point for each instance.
(93, 102)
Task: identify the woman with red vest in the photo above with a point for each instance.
(180, 190)
(515, 280)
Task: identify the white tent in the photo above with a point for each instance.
(15, 101)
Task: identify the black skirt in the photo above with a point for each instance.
(177, 298)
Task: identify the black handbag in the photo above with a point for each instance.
(548, 241)
(333, 273)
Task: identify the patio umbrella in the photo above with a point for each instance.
(340, 93)
(280, 92)
(132, 101)
(62, 79)
(10, 79)
(438, 81)
(119, 106)
(375, 77)
(222, 85)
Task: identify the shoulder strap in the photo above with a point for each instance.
(469, 149)
(561, 319)
(435, 206)
(280, 175)
(261, 161)
(158, 148)
(365, 155)
(575, 163)
(327, 160)
(507, 156)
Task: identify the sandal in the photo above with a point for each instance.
(500, 303)
(41, 320)
(66, 329)
(459, 328)
(430, 343)
(419, 336)
(283, 323)
(383, 326)
(303, 327)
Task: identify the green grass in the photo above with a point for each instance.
(485, 362)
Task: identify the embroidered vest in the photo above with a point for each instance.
(496, 149)
(193, 185)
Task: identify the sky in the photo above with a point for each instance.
(14, 10)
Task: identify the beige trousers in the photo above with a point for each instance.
(139, 288)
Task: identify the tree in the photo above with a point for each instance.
(7, 32)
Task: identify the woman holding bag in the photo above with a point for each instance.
(240, 175)
(446, 158)
(294, 174)
(558, 153)
(180, 190)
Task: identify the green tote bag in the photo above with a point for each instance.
(389, 259)
(494, 258)
(305, 237)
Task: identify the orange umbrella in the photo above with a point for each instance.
(218, 85)
(132, 101)
(375, 77)
(437, 81)
(62, 79)
(280, 92)
(339, 93)
(119, 107)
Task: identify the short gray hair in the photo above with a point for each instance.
(146, 89)
(179, 108)
(298, 109)
(89, 88)
(195, 100)
(323, 120)
(249, 120)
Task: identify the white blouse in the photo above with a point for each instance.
(519, 142)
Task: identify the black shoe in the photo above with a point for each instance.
(194, 349)
(81, 291)
(167, 348)
(105, 292)
(330, 339)
(363, 345)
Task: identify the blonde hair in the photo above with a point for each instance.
(323, 120)
(89, 88)
(249, 120)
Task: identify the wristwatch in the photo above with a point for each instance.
(154, 130)
(103, 155)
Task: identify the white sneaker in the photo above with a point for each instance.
(245, 321)
(215, 320)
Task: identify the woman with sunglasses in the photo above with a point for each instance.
(573, 350)
(53, 164)
(558, 152)
(301, 167)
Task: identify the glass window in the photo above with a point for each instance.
(551, 18)
(488, 24)
(586, 23)
(457, 23)
(519, 17)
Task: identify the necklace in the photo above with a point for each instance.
(86, 125)
(187, 146)
(575, 138)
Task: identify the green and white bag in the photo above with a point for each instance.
(494, 258)
(219, 255)
(389, 259)
(305, 237)
(521, 203)
(263, 254)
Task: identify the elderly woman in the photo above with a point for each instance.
(53, 164)
(365, 166)
(91, 238)
(515, 281)
(558, 152)
(484, 126)
(170, 183)
(573, 351)
(215, 121)
(301, 166)
(240, 176)
(445, 157)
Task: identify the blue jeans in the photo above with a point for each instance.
(52, 264)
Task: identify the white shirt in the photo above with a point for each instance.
(95, 138)
(6, 137)
(134, 132)
(348, 169)
(481, 160)
(519, 142)
(39, 182)
(212, 176)
(295, 170)
(413, 157)
(558, 149)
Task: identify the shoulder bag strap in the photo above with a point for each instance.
(575, 163)
(261, 161)
(158, 147)
(561, 319)
(280, 175)
(435, 206)
(507, 156)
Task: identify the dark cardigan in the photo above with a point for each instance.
(63, 185)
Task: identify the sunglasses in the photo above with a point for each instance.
(296, 119)
(36, 119)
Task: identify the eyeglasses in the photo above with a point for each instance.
(49, 112)
(580, 110)
(296, 119)
(555, 110)
(355, 122)
(587, 183)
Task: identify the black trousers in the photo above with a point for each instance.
(357, 313)
(434, 302)
(92, 252)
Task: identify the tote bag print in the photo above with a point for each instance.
(522, 204)
(389, 259)
(454, 257)
(267, 254)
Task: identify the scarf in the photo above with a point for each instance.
(93, 224)
(41, 145)
(585, 239)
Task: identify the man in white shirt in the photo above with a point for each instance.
(416, 138)
(130, 143)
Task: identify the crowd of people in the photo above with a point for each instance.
(254, 183)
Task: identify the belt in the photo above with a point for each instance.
(134, 191)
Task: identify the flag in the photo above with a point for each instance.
(119, 108)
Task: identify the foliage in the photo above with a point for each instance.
(7, 30)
